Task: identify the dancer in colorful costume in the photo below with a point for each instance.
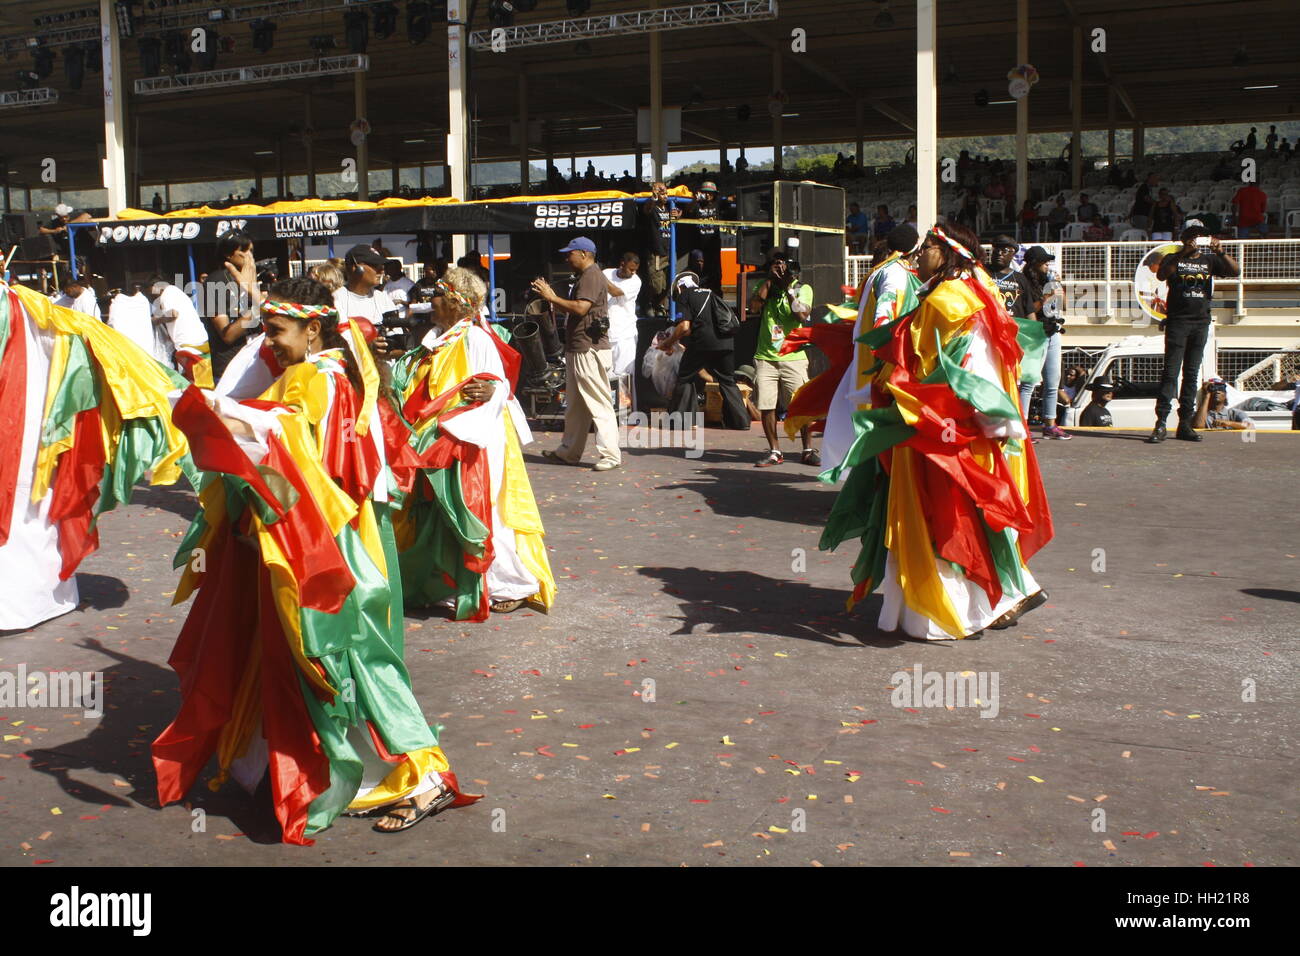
(828, 401)
(943, 487)
(469, 532)
(87, 418)
(291, 656)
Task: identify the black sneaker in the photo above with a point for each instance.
(1158, 434)
(1187, 433)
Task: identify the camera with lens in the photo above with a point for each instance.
(397, 331)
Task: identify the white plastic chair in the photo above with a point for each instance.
(1292, 219)
(1073, 232)
(1134, 235)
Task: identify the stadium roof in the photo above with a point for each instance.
(1170, 61)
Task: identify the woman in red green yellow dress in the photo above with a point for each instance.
(468, 531)
(291, 656)
(944, 490)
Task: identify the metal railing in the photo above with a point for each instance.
(1098, 276)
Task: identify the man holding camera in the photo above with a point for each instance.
(1190, 274)
(586, 360)
(782, 303)
(362, 297)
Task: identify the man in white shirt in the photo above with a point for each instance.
(182, 331)
(362, 296)
(80, 297)
(398, 287)
(624, 286)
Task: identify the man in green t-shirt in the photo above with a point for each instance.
(782, 303)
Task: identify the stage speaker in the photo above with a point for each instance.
(37, 247)
(17, 226)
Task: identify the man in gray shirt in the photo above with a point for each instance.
(587, 392)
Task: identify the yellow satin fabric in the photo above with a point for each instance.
(403, 778)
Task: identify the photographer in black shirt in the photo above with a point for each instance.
(1190, 274)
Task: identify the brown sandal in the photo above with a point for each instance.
(505, 607)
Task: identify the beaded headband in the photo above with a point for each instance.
(444, 288)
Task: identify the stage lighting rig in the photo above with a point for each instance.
(74, 66)
(356, 30)
(501, 13)
(385, 20)
(263, 34)
(419, 21)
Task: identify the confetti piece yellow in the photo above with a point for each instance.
(540, 716)
(56, 811)
(568, 677)
(1057, 729)
(848, 723)
(776, 829)
(779, 654)
(632, 750)
(958, 853)
(568, 745)
(1035, 779)
(727, 741)
(609, 796)
(811, 796)
(795, 772)
(1108, 845)
(9, 737)
(19, 723)
(854, 777)
(1178, 575)
(714, 843)
(833, 763)
(670, 746)
(1193, 716)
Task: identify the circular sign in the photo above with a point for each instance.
(1149, 291)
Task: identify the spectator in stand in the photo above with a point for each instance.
(398, 286)
(1285, 149)
(706, 236)
(1087, 210)
(882, 223)
(329, 275)
(857, 227)
(1057, 218)
(911, 216)
(1270, 141)
(1028, 220)
(995, 189)
(1251, 141)
(1222, 170)
(157, 203)
(1165, 216)
(1213, 412)
(1140, 214)
(1250, 203)
(1098, 231)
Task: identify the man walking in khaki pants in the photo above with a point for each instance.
(586, 360)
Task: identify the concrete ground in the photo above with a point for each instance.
(1145, 716)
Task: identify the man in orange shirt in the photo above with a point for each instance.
(1251, 204)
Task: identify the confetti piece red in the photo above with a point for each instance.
(915, 782)
(1017, 759)
(700, 801)
(1211, 863)
(537, 672)
(38, 862)
(911, 710)
(585, 726)
(870, 721)
(764, 713)
(1132, 833)
(940, 810)
(1034, 749)
(973, 750)
(1035, 716)
(1152, 835)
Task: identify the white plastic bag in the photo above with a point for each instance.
(661, 367)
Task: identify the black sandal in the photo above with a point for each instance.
(1037, 599)
(440, 802)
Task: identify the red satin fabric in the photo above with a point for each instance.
(13, 408)
(76, 489)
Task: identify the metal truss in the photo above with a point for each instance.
(622, 24)
(16, 99)
(248, 75)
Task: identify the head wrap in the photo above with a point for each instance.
(960, 249)
(327, 315)
(444, 288)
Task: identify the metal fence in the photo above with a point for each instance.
(1098, 276)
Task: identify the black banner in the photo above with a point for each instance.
(576, 217)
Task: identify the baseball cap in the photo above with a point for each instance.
(1005, 242)
(708, 187)
(1038, 254)
(364, 253)
(1102, 385)
(580, 244)
(63, 209)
